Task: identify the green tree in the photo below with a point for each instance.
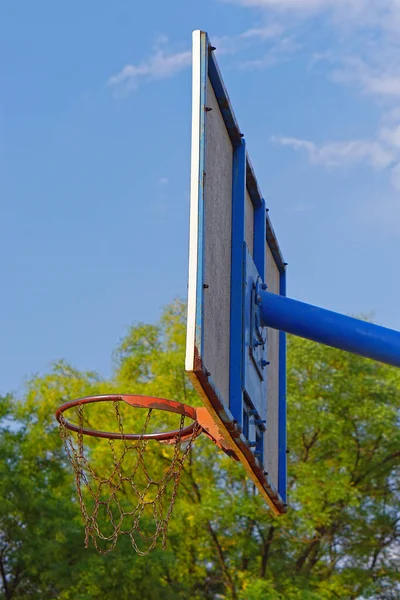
(40, 525)
(339, 539)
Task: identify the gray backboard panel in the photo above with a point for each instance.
(271, 453)
(217, 247)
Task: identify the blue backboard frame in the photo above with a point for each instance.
(232, 414)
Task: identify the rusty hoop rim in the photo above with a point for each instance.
(137, 401)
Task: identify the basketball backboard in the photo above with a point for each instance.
(237, 367)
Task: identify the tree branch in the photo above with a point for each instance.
(377, 466)
(7, 593)
(266, 551)
(309, 445)
(222, 561)
(220, 552)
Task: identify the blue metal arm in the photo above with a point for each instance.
(330, 328)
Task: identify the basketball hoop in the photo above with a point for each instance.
(130, 500)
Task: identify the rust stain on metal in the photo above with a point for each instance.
(211, 429)
(147, 402)
(232, 435)
(200, 416)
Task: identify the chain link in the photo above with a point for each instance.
(91, 487)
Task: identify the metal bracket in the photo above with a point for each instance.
(258, 333)
(210, 428)
(255, 340)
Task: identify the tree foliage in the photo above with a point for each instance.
(339, 539)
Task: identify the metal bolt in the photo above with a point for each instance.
(205, 286)
(212, 48)
(265, 363)
(264, 286)
(208, 109)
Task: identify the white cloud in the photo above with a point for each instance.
(366, 11)
(163, 64)
(383, 153)
(160, 65)
(279, 52)
(395, 178)
(385, 85)
(233, 44)
(377, 79)
(366, 48)
(299, 208)
(391, 136)
(336, 154)
(263, 33)
(284, 5)
(359, 46)
(359, 11)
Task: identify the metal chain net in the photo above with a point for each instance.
(130, 500)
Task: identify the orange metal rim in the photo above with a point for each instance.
(147, 402)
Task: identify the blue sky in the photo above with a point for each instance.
(95, 102)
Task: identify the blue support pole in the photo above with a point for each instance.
(330, 328)
(237, 291)
(282, 423)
